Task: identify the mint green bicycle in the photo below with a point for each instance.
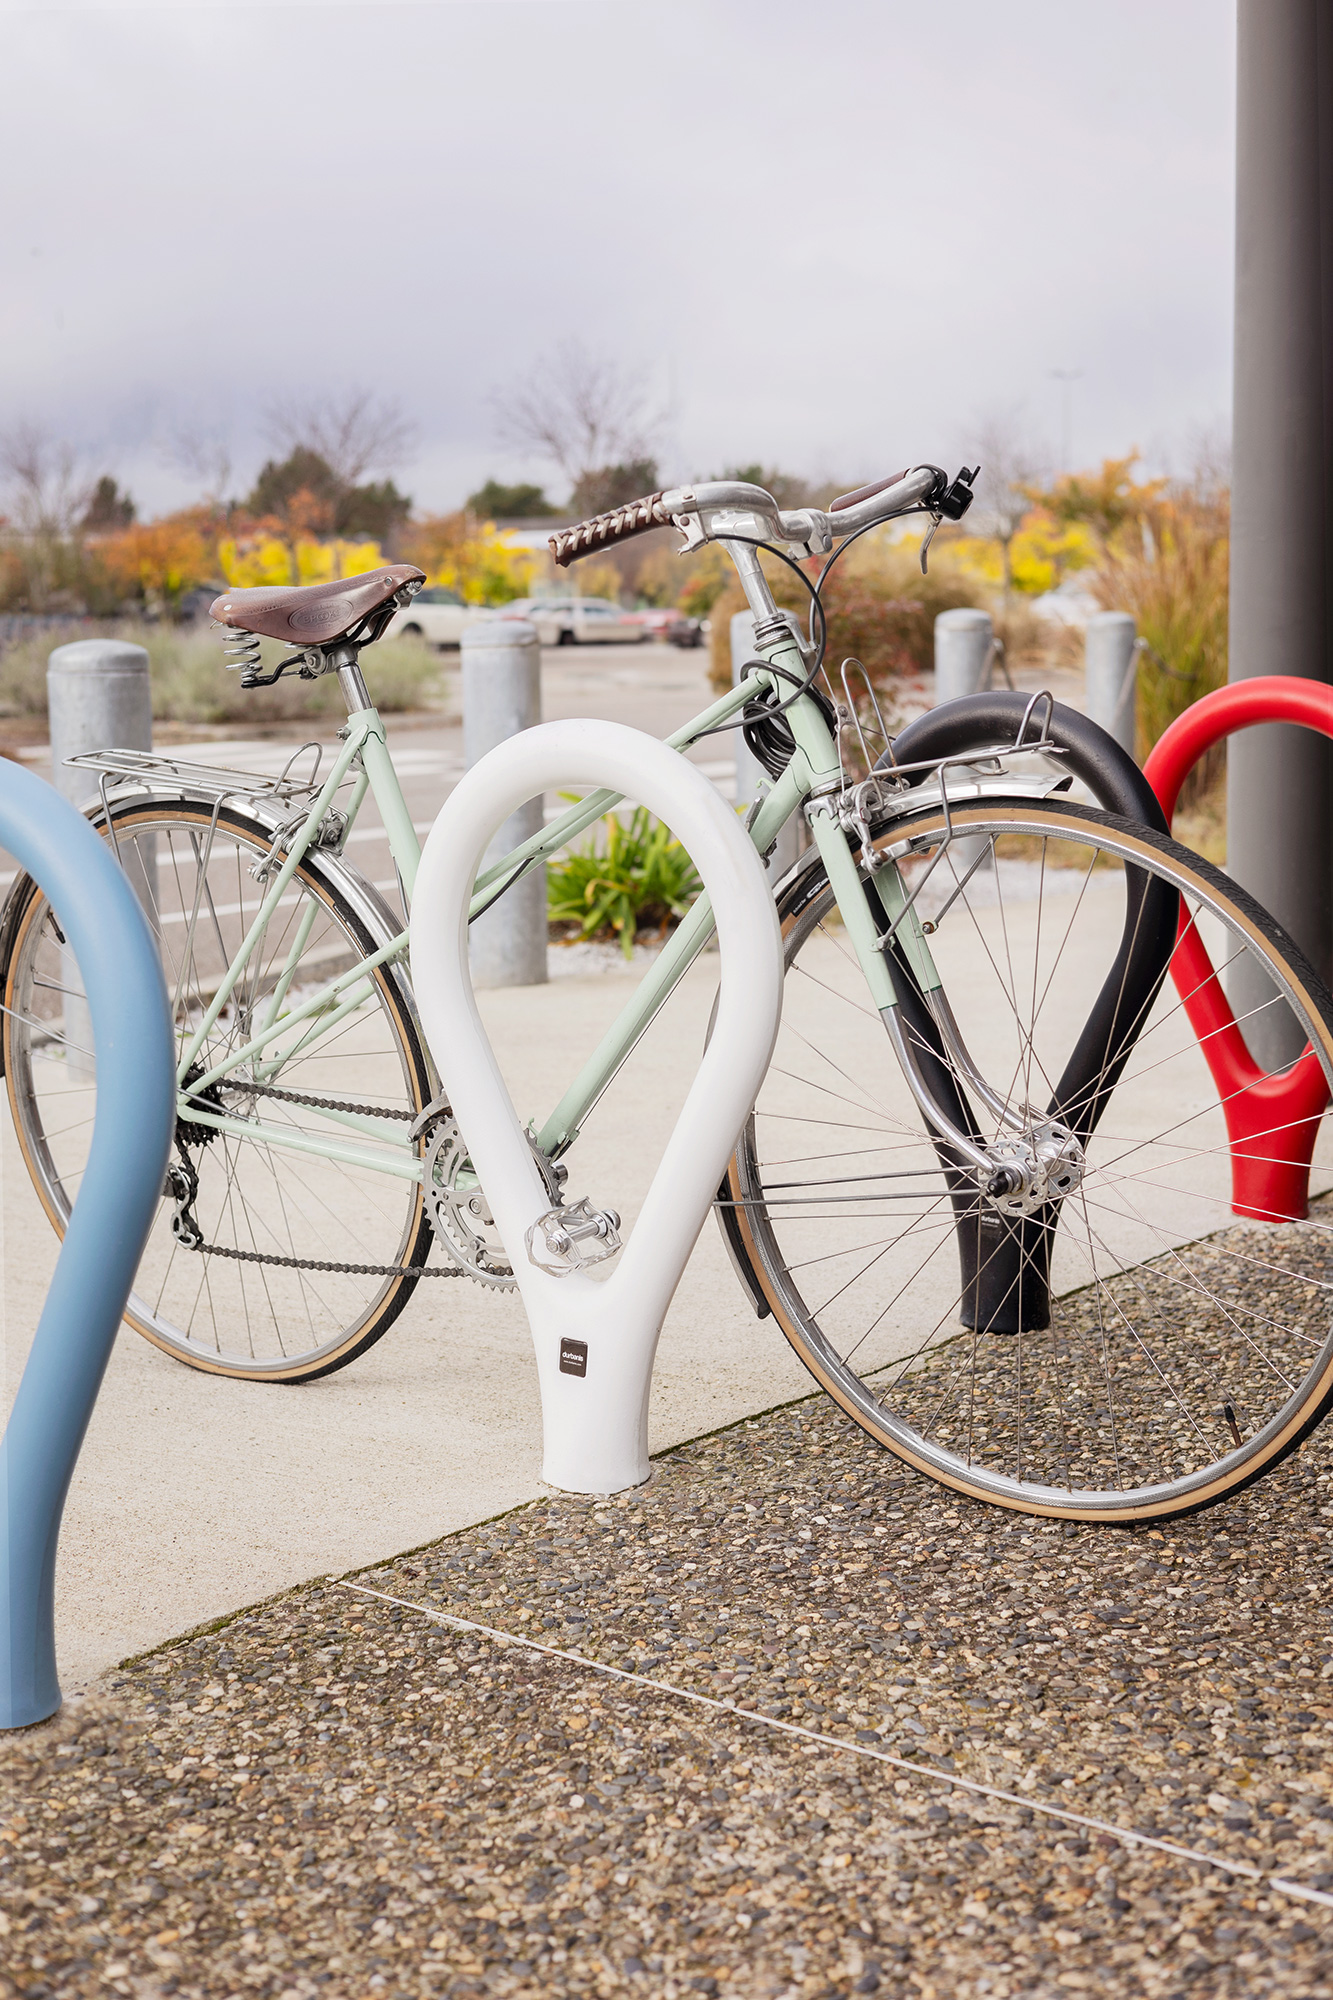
(984, 1189)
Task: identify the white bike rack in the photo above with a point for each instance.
(595, 1424)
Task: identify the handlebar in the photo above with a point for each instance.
(716, 508)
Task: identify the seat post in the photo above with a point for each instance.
(355, 692)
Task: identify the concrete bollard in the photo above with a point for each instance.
(751, 777)
(502, 695)
(963, 641)
(100, 698)
(1111, 675)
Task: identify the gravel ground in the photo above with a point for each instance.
(330, 1795)
(1049, 1400)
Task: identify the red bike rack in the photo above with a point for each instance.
(1272, 1120)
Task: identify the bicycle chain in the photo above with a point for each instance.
(315, 1103)
(315, 1264)
(196, 1243)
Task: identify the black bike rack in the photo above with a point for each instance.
(1005, 1261)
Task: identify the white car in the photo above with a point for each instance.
(577, 621)
(436, 614)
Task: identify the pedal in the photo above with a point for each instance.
(569, 1239)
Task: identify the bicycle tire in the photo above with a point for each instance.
(1130, 1444)
(254, 1320)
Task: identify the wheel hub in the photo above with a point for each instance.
(1030, 1173)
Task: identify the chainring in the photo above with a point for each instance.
(458, 1209)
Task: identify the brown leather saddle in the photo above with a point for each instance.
(313, 614)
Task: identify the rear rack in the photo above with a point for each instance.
(158, 773)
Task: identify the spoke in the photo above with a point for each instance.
(1194, 1284)
(1101, 1341)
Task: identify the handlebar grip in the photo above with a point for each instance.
(619, 525)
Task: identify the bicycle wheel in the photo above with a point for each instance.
(1125, 1347)
(268, 1314)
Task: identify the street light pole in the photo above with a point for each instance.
(1280, 779)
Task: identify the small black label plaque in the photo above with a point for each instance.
(573, 1357)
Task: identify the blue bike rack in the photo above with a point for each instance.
(122, 1186)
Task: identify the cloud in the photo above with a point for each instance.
(826, 238)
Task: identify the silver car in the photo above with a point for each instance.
(578, 621)
(436, 614)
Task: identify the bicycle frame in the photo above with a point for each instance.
(814, 779)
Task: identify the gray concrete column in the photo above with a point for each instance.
(963, 641)
(99, 697)
(1111, 675)
(751, 777)
(1280, 779)
(502, 694)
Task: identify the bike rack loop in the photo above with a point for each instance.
(1278, 1115)
(595, 1425)
(113, 1212)
(1004, 1263)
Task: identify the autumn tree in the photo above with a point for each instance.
(1162, 553)
(158, 561)
(469, 556)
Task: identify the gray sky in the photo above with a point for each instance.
(831, 237)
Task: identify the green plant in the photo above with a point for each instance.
(632, 873)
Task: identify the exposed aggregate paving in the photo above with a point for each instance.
(331, 1796)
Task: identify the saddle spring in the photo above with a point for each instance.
(240, 649)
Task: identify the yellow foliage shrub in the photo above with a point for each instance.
(470, 556)
(257, 558)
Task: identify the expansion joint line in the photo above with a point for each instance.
(1127, 1835)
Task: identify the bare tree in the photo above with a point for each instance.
(48, 486)
(579, 410)
(1202, 462)
(204, 456)
(354, 433)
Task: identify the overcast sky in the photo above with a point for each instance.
(833, 237)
